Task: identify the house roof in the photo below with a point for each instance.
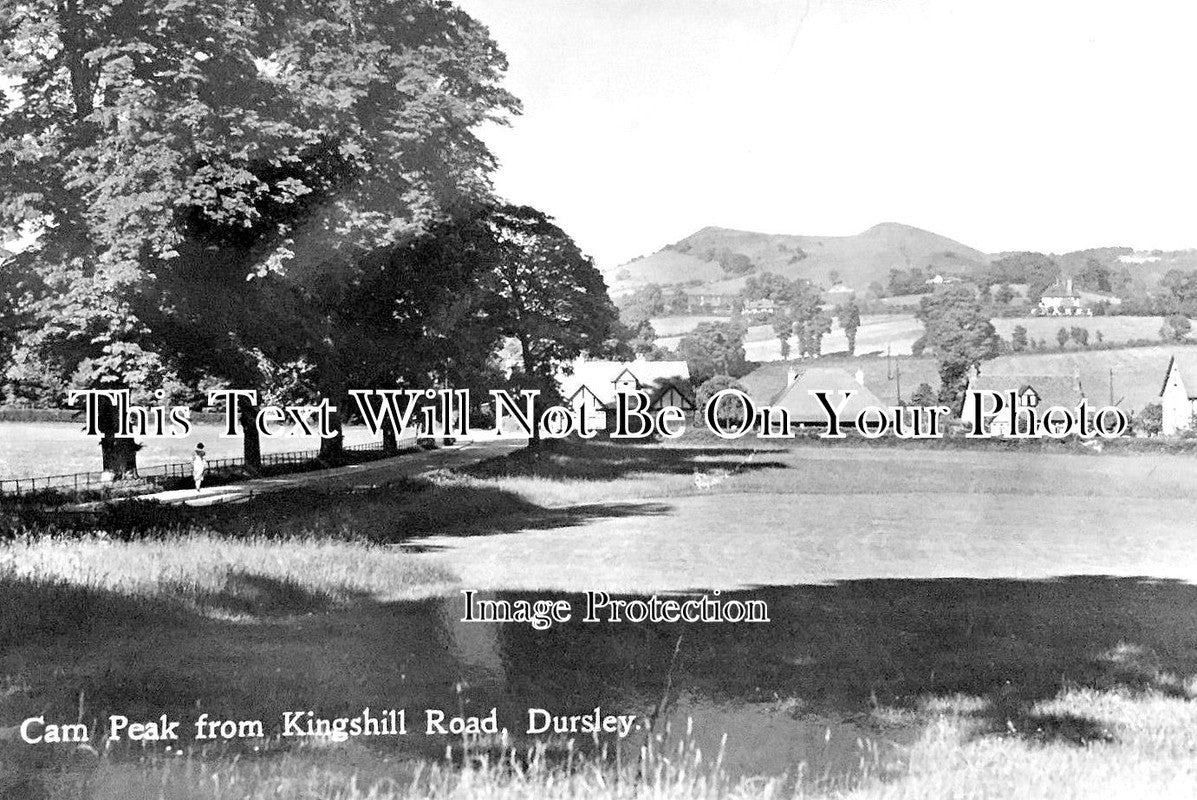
(1053, 390)
(1188, 375)
(806, 408)
(600, 377)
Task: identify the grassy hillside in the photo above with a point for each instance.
(859, 259)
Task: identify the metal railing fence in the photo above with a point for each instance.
(155, 476)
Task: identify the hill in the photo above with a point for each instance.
(719, 259)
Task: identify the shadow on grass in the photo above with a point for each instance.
(845, 649)
(608, 460)
(835, 652)
(445, 502)
(251, 595)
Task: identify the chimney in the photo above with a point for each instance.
(860, 376)
(791, 376)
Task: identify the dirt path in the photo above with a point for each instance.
(372, 473)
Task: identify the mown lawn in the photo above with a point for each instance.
(1027, 619)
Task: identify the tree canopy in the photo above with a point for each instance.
(960, 335)
(713, 348)
(212, 180)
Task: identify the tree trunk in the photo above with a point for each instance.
(118, 454)
(390, 446)
(251, 442)
(530, 376)
(534, 442)
(333, 450)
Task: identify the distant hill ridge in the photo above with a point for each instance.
(720, 259)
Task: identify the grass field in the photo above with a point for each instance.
(896, 333)
(876, 333)
(1020, 621)
(1113, 329)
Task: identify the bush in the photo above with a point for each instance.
(1149, 420)
(729, 411)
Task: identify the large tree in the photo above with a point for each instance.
(713, 348)
(960, 335)
(543, 292)
(848, 314)
(164, 145)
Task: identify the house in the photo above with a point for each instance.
(709, 302)
(593, 386)
(1034, 393)
(1060, 300)
(806, 410)
(839, 294)
(1178, 396)
(891, 380)
(765, 306)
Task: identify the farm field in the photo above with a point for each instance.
(53, 448)
(944, 623)
(1113, 329)
(895, 333)
(676, 326)
(877, 332)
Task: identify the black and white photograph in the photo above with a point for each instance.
(598, 399)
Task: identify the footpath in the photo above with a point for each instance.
(371, 474)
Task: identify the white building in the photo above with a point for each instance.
(1178, 397)
(594, 385)
(1061, 301)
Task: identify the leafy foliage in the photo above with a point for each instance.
(1150, 420)
(960, 334)
(848, 314)
(727, 410)
(713, 348)
(1018, 339)
(544, 293)
(1176, 328)
(171, 150)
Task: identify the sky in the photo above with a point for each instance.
(1050, 125)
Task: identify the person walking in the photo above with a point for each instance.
(198, 465)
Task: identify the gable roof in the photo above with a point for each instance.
(805, 408)
(600, 376)
(884, 377)
(1187, 369)
(1053, 390)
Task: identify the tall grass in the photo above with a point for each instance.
(1152, 752)
(59, 576)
